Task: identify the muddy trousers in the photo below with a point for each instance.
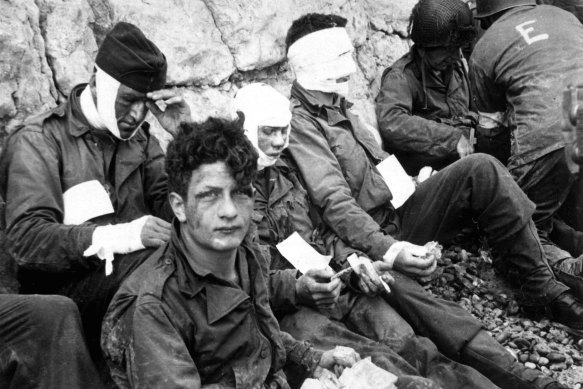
(475, 189)
(374, 329)
(42, 345)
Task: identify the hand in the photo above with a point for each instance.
(325, 380)
(315, 288)
(155, 232)
(370, 277)
(415, 260)
(464, 147)
(339, 355)
(175, 112)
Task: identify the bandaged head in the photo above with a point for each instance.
(126, 57)
(263, 106)
(321, 58)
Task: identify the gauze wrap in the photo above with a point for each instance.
(262, 106)
(320, 58)
(106, 88)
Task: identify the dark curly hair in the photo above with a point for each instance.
(211, 141)
(310, 23)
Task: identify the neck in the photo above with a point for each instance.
(219, 263)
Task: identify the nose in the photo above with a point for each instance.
(138, 111)
(227, 209)
(278, 139)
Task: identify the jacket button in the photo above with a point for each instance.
(167, 261)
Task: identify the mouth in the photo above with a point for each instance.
(228, 230)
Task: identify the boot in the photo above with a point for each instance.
(490, 358)
(570, 272)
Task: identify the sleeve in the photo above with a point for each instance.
(282, 291)
(159, 356)
(487, 97)
(301, 353)
(405, 132)
(156, 181)
(330, 192)
(34, 207)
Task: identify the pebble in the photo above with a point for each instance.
(543, 361)
(534, 358)
(557, 366)
(503, 336)
(530, 365)
(556, 357)
(523, 358)
(542, 349)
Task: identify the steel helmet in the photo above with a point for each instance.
(436, 23)
(485, 8)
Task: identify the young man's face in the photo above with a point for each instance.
(271, 140)
(217, 210)
(130, 110)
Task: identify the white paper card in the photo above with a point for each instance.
(301, 255)
(85, 201)
(398, 181)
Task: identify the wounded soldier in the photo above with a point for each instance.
(325, 315)
(196, 314)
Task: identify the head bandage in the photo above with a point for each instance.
(262, 106)
(322, 57)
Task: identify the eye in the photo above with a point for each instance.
(208, 195)
(243, 193)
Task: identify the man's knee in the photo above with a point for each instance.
(47, 311)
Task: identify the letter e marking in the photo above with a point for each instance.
(526, 31)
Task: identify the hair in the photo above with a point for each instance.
(214, 140)
(310, 23)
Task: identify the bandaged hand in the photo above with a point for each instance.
(372, 275)
(155, 232)
(411, 259)
(316, 289)
(338, 358)
(113, 239)
(464, 147)
(175, 109)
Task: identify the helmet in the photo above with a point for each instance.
(436, 23)
(485, 8)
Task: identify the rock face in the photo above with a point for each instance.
(213, 47)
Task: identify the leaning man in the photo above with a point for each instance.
(85, 181)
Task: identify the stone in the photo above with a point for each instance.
(26, 85)
(543, 361)
(556, 357)
(530, 365)
(70, 47)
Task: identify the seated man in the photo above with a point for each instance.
(42, 345)
(282, 206)
(196, 314)
(85, 181)
(423, 106)
(354, 200)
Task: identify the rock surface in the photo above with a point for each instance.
(213, 46)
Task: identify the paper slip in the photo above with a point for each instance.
(400, 184)
(301, 255)
(355, 262)
(85, 201)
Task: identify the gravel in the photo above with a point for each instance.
(469, 278)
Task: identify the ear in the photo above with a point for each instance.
(178, 206)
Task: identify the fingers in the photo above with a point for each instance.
(320, 274)
(163, 94)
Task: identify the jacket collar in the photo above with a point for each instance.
(222, 297)
(330, 106)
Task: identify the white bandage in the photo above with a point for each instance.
(321, 58)
(395, 249)
(106, 88)
(116, 239)
(263, 106)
